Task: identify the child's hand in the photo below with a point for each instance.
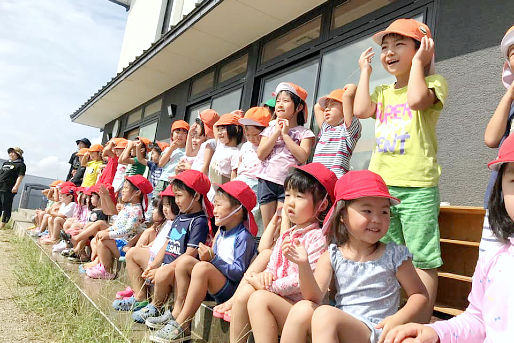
(266, 279)
(192, 128)
(510, 91)
(386, 325)
(149, 274)
(102, 191)
(425, 52)
(422, 334)
(139, 144)
(365, 60)
(254, 280)
(284, 126)
(205, 253)
(102, 235)
(296, 253)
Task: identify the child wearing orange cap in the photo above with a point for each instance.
(284, 142)
(220, 268)
(339, 130)
(405, 152)
(129, 156)
(93, 162)
(497, 130)
(172, 154)
(121, 169)
(369, 275)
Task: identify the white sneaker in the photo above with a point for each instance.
(59, 246)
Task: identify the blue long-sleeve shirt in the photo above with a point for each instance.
(233, 252)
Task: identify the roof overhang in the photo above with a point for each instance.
(211, 32)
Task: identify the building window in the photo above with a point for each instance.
(134, 117)
(293, 39)
(132, 134)
(202, 83)
(194, 112)
(148, 131)
(227, 102)
(233, 68)
(153, 108)
(351, 10)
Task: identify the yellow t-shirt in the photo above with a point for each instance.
(91, 173)
(405, 152)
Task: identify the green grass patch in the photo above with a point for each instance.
(64, 315)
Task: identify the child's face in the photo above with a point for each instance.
(299, 206)
(222, 208)
(119, 206)
(253, 134)
(284, 108)
(156, 216)
(95, 155)
(128, 193)
(95, 200)
(223, 135)
(508, 189)
(397, 53)
(179, 136)
(333, 113)
(183, 199)
(81, 145)
(66, 198)
(367, 219)
(166, 208)
(197, 138)
(155, 156)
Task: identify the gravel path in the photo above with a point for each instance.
(15, 325)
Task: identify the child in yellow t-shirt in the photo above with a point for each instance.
(93, 162)
(405, 152)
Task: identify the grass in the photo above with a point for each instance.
(63, 313)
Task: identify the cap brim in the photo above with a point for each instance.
(246, 121)
(496, 164)
(506, 43)
(377, 37)
(323, 101)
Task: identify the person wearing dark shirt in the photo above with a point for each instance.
(11, 174)
(75, 159)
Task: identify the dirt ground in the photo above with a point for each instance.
(16, 326)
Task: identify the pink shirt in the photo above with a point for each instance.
(250, 165)
(286, 273)
(489, 317)
(275, 166)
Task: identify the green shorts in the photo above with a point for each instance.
(415, 224)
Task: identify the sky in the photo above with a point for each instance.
(54, 55)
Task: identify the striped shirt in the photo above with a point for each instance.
(335, 146)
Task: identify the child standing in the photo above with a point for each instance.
(225, 160)
(488, 317)
(93, 162)
(368, 274)
(405, 153)
(206, 122)
(221, 267)
(339, 130)
(284, 142)
(121, 169)
(172, 155)
(269, 295)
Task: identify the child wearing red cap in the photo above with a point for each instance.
(488, 317)
(189, 229)
(221, 267)
(109, 243)
(285, 142)
(93, 162)
(405, 153)
(497, 130)
(368, 274)
(56, 221)
(339, 129)
(271, 293)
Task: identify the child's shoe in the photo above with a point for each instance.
(129, 304)
(146, 312)
(127, 292)
(57, 248)
(99, 272)
(171, 332)
(160, 321)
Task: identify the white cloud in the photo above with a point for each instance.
(53, 56)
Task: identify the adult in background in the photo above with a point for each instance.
(11, 174)
(74, 159)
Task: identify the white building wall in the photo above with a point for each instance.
(144, 26)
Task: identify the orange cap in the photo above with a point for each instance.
(256, 116)
(82, 152)
(209, 117)
(336, 94)
(96, 147)
(57, 182)
(162, 145)
(145, 141)
(295, 89)
(116, 140)
(179, 124)
(405, 27)
(121, 144)
(228, 119)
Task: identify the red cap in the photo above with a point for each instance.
(505, 154)
(142, 184)
(198, 182)
(179, 124)
(168, 192)
(66, 184)
(295, 89)
(325, 176)
(405, 27)
(96, 189)
(209, 117)
(246, 196)
(68, 190)
(87, 190)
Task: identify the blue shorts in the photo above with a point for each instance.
(120, 243)
(268, 191)
(226, 292)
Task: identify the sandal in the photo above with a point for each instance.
(171, 332)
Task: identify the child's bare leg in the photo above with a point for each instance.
(298, 324)
(107, 250)
(91, 230)
(267, 212)
(240, 323)
(145, 237)
(163, 283)
(204, 277)
(430, 280)
(94, 259)
(268, 312)
(330, 324)
(58, 223)
(136, 262)
(44, 222)
(185, 265)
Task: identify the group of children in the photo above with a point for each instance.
(336, 246)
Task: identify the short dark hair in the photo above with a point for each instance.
(183, 187)
(499, 220)
(174, 208)
(417, 43)
(297, 102)
(202, 126)
(234, 132)
(156, 147)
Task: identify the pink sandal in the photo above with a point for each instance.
(99, 272)
(127, 293)
(217, 314)
(226, 316)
